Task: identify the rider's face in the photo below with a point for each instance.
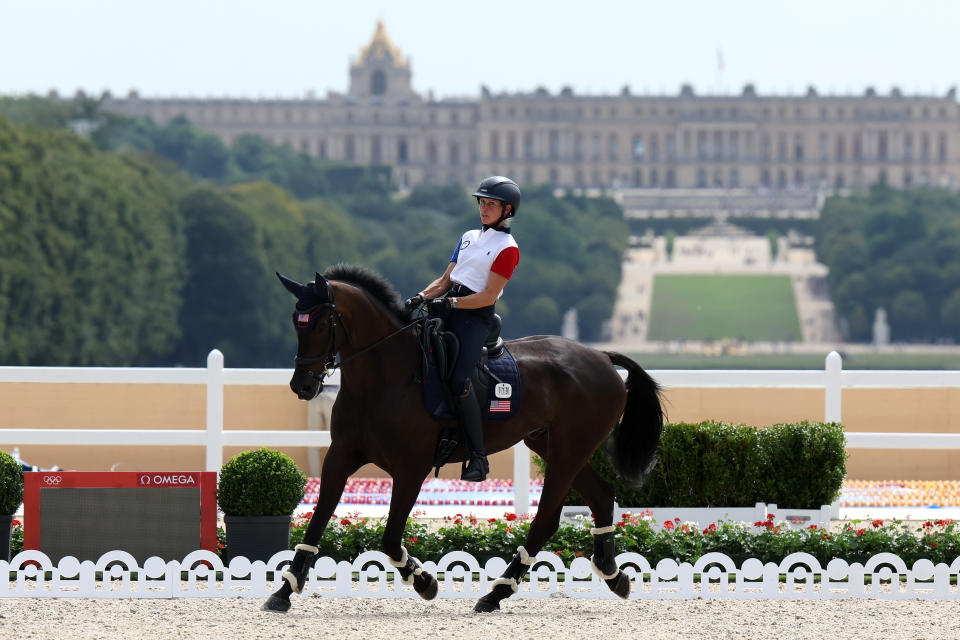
(489, 210)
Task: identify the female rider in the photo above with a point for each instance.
(465, 295)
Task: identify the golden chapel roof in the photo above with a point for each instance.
(380, 48)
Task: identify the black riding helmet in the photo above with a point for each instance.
(503, 189)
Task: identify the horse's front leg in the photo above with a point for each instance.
(405, 492)
(338, 465)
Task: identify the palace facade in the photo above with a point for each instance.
(684, 141)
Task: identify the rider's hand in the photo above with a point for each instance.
(439, 307)
(412, 303)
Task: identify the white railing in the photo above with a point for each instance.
(833, 379)
(116, 574)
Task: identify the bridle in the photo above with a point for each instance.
(303, 322)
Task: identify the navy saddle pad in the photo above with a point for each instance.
(502, 399)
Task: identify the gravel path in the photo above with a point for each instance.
(555, 617)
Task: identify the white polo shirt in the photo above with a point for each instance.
(483, 251)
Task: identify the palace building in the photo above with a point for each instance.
(625, 141)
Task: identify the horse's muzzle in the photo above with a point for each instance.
(306, 384)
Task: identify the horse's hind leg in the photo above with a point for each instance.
(337, 467)
(599, 495)
(405, 491)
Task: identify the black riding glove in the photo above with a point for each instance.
(439, 307)
(412, 303)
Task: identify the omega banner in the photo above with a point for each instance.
(146, 513)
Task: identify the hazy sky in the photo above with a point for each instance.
(250, 49)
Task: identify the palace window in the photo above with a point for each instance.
(494, 146)
(378, 83)
(942, 147)
(402, 151)
(638, 148)
(798, 146)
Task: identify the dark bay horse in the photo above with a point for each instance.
(573, 398)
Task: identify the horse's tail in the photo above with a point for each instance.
(632, 447)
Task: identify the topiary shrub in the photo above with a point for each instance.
(11, 484)
(714, 464)
(804, 464)
(260, 483)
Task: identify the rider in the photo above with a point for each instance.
(465, 294)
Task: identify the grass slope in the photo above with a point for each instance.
(706, 307)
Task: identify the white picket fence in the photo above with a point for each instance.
(832, 379)
(116, 574)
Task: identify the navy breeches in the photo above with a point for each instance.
(472, 326)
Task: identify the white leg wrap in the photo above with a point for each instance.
(524, 556)
(292, 580)
(306, 547)
(602, 530)
(600, 573)
(402, 562)
(508, 581)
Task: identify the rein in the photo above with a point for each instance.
(328, 362)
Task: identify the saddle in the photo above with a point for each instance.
(441, 349)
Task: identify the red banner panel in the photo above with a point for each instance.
(145, 513)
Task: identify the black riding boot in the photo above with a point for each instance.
(469, 413)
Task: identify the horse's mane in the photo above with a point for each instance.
(373, 283)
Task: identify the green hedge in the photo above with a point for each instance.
(713, 464)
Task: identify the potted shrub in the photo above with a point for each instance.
(11, 496)
(258, 492)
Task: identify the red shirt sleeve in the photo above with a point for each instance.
(506, 262)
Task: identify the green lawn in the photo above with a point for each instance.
(704, 307)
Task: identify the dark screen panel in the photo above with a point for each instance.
(86, 522)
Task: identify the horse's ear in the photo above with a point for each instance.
(322, 287)
(292, 286)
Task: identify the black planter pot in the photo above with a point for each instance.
(256, 537)
(6, 531)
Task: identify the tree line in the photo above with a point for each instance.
(898, 250)
(117, 249)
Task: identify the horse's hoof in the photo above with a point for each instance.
(620, 585)
(426, 585)
(486, 604)
(278, 605)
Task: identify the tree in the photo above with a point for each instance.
(950, 314)
(208, 157)
(908, 314)
(91, 253)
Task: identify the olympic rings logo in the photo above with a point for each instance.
(54, 480)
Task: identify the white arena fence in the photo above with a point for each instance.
(832, 379)
(202, 574)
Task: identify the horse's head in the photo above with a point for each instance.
(315, 319)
